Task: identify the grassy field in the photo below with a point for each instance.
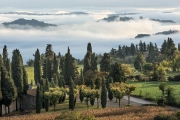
(30, 72)
(151, 89)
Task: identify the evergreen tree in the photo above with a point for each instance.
(139, 61)
(9, 92)
(164, 47)
(105, 63)
(17, 73)
(5, 54)
(38, 100)
(49, 69)
(179, 46)
(117, 73)
(71, 95)
(171, 48)
(133, 49)
(110, 93)
(8, 67)
(46, 100)
(103, 94)
(25, 81)
(55, 64)
(93, 62)
(144, 47)
(55, 79)
(141, 47)
(70, 68)
(37, 67)
(1, 78)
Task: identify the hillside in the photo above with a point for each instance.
(24, 22)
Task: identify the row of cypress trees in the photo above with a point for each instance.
(13, 79)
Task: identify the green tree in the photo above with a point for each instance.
(38, 100)
(105, 63)
(71, 95)
(17, 73)
(117, 73)
(103, 94)
(9, 92)
(37, 67)
(139, 61)
(133, 49)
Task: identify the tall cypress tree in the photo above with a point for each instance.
(1, 72)
(133, 49)
(49, 69)
(37, 67)
(5, 54)
(103, 94)
(17, 73)
(38, 100)
(70, 68)
(55, 64)
(105, 63)
(71, 95)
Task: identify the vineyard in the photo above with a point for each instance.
(124, 113)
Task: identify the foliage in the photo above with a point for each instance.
(105, 63)
(103, 94)
(139, 61)
(37, 67)
(38, 100)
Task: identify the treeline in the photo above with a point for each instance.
(13, 79)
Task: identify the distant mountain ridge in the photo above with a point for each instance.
(23, 22)
(117, 18)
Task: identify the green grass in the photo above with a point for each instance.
(151, 89)
(30, 72)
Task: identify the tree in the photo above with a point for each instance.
(81, 78)
(148, 69)
(30, 62)
(9, 92)
(117, 73)
(5, 54)
(103, 94)
(49, 69)
(133, 49)
(139, 61)
(38, 100)
(105, 63)
(71, 95)
(17, 73)
(110, 93)
(70, 68)
(55, 64)
(37, 67)
(55, 79)
(129, 90)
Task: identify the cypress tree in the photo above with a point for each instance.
(9, 92)
(81, 78)
(70, 68)
(38, 100)
(71, 95)
(17, 73)
(46, 100)
(105, 63)
(55, 64)
(103, 94)
(60, 81)
(5, 54)
(8, 67)
(133, 49)
(55, 79)
(110, 93)
(1, 66)
(37, 67)
(49, 69)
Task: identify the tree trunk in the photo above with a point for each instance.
(119, 102)
(128, 99)
(5, 110)
(8, 109)
(54, 107)
(97, 103)
(16, 104)
(0, 109)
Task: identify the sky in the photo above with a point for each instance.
(85, 3)
(76, 31)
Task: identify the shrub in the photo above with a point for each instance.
(177, 77)
(170, 78)
(162, 117)
(178, 115)
(139, 77)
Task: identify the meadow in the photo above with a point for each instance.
(150, 90)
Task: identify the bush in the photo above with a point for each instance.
(162, 117)
(139, 77)
(160, 101)
(170, 78)
(177, 77)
